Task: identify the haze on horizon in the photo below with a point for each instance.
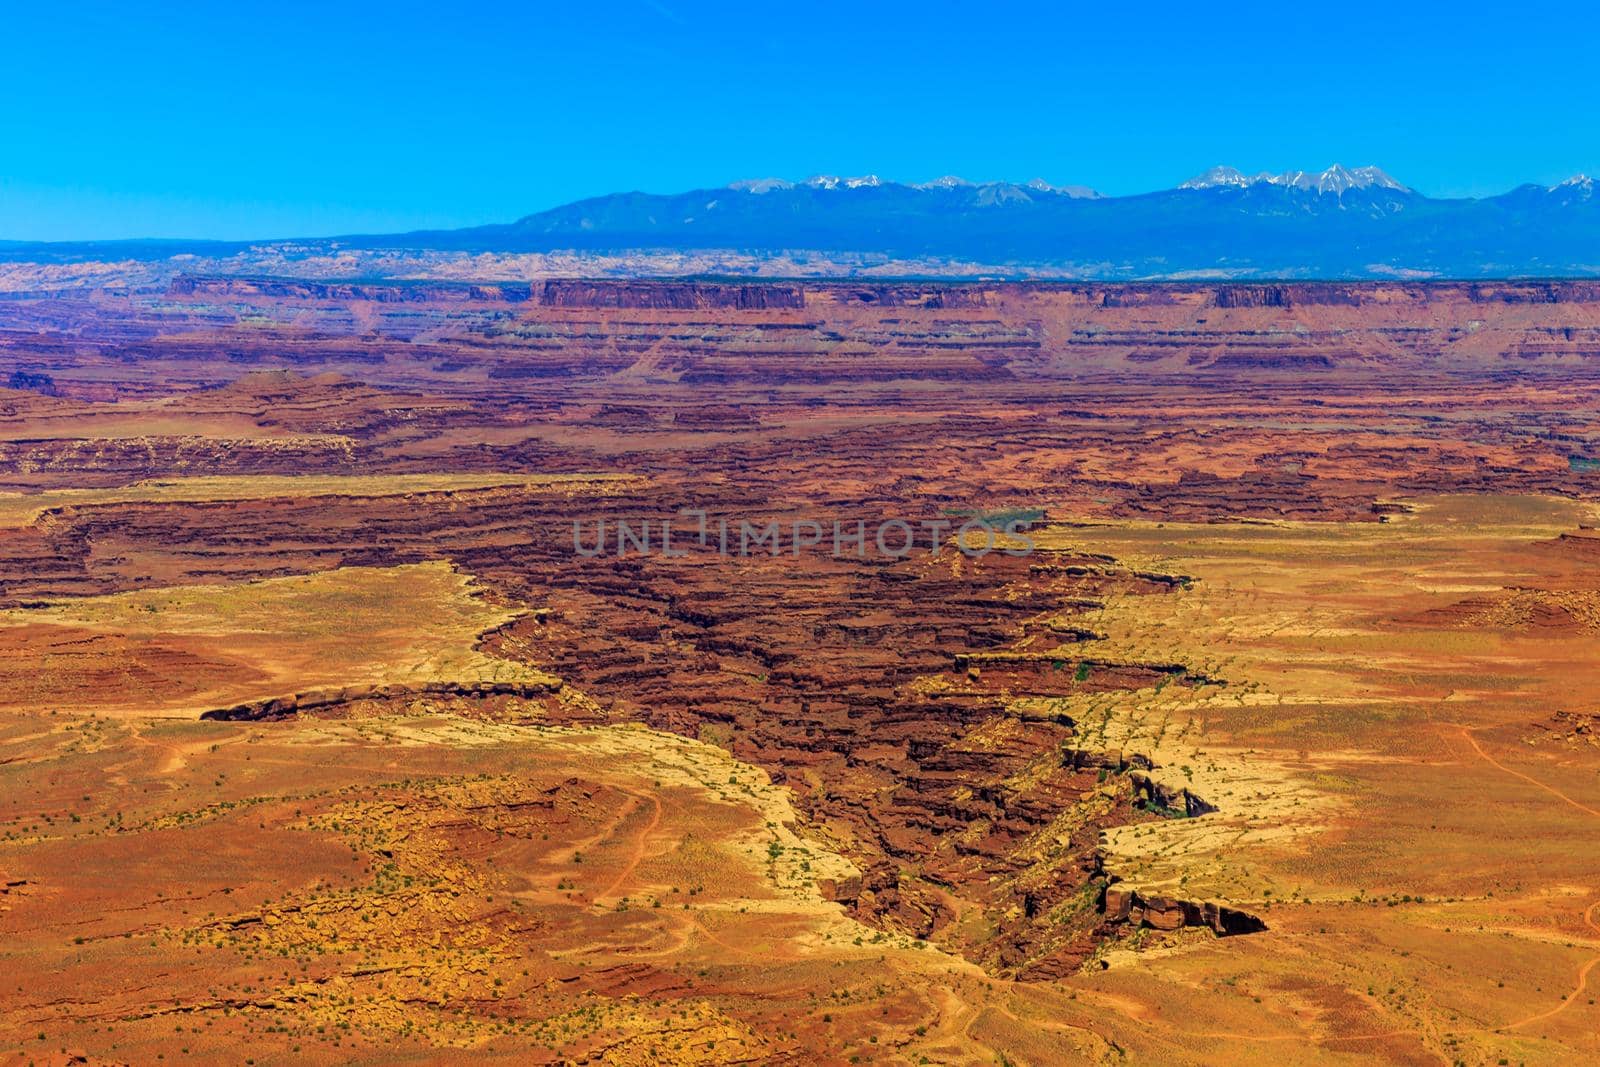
(180, 120)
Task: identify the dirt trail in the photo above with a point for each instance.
(636, 853)
(1466, 732)
(1589, 912)
(1578, 990)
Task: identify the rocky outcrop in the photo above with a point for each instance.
(1166, 797)
(1340, 294)
(26, 381)
(843, 890)
(1554, 292)
(321, 700)
(670, 295)
(907, 296)
(1254, 296)
(386, 292)
(1162, 912)
(135, 458)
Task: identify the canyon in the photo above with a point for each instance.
(320, 731)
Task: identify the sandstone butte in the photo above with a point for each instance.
(319, 742)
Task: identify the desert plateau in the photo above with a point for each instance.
(1263, 731)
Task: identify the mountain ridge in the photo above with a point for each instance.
(1337, 223)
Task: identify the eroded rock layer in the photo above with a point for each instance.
(988, 753)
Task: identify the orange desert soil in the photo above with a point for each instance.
(320, 741)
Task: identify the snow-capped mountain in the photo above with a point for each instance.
(1336, 179)
(833, 181)
(1579, 187)
(1338, 222)
(947, 183)
(1342, 222)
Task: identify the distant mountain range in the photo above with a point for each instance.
(1337, 223)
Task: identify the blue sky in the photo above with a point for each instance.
(255, 120)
